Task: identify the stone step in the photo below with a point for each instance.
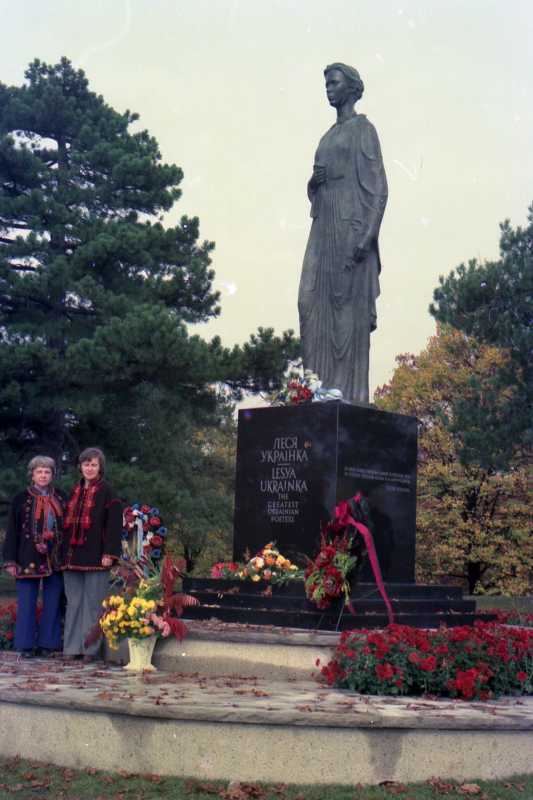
(363, 606)
(296, 588)
(327, 621)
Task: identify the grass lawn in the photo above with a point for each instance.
(27, 779)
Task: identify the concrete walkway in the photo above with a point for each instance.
(223, 726)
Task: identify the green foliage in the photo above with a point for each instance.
(493, 302)
(259, 364)
(472, 522)
(95, 294)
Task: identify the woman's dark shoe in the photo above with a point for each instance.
(26, 654)
(44, 652)
(70, 657)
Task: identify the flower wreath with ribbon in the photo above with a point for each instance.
(344, 541)
(143, 533)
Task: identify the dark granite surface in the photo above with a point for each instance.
(295, 463)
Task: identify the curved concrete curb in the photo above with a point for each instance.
(221, 727)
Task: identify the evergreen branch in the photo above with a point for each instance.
(7, 223)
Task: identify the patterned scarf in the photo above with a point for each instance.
(78, 513)
(46, 512)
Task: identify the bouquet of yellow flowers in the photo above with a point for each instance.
(269, 565)
(148, 605)
(133, 618)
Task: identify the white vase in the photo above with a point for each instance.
(141, 651)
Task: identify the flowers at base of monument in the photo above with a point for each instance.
(143, 532)
(225, 570)
(472, 662)
(299, 389)
(147, 604)
(271, 566)
(511, 617)
(344, 542)
(268, 565)
(328, 575)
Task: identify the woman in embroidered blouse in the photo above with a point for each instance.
(31, 554)
(92, 542)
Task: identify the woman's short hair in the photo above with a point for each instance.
(92, 452)
(41, 461)
(352, 76)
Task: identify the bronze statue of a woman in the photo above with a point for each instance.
(340, 275)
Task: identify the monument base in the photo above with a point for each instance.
(295, 463)
(287, 607)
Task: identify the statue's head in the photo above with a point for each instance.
(354, 83)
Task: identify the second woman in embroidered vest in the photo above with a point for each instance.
(92, 542)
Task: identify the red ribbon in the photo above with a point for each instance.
(343, 516)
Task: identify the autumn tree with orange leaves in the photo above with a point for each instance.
(472, 520)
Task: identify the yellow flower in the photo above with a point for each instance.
(256, 578)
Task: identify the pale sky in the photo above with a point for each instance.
(233, 92)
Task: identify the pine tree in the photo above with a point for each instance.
(95, 292)
(493, 301)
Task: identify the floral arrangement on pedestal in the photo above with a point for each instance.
(299, 389)
(328, 576)
(476, 662)
(147, 607)
(143, 532)
(268, 565)
(344, 542)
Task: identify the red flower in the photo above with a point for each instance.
(145, 509)
(413, 657)
(384, 671)
(155, 522)
(428, 664)
(156, 541)
(522, 676)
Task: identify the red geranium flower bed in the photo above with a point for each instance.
(476, 662)
(8, 618)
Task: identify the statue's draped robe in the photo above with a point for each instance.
(337, 306)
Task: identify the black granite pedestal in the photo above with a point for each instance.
(294, 464)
